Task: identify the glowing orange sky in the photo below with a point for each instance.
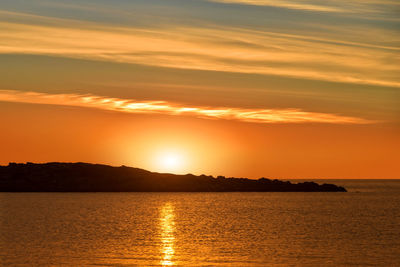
(52, 133)
(281, 89)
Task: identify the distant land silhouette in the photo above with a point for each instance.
(85, 177)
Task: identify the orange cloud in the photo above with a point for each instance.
(286, 4)
(167, 108)
(332, 57)
(336, 6)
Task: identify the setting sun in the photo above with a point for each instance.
(170, 162)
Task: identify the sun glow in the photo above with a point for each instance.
(170, 161)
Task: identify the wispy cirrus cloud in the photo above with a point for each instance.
(336, 6)
(168, 108)
(286, 4)
(250, 51)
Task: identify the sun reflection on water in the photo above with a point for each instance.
(167, 226)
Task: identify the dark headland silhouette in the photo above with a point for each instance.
(85, 177)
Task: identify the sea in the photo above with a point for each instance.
(357, 228)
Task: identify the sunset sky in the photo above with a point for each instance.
(244, 88)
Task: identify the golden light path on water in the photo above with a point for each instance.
(167, 226)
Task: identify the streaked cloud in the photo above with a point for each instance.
(168, 108)
(285, 4)
(337, 6)
(215, 48)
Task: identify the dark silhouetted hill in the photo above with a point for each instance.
(84, 177)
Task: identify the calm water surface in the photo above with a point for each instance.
(358, 228)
